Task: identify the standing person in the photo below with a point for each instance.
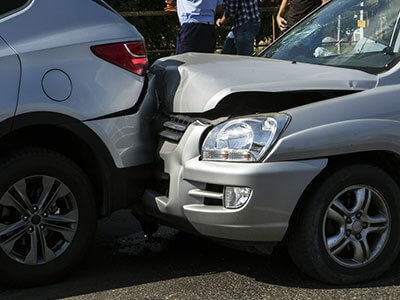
(246, 20)
(298, 9)
(197, 19)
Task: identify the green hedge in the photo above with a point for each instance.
(160, 32)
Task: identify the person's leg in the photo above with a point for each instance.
(182, 40)
(244, 38)
(229, 45)
(255, 29)
(178, 42)
(195, 37)
(205, 39)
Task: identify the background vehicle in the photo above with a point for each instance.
(72, 136)
(300, 145)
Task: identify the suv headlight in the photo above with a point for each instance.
(243, 140)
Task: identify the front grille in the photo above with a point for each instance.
(175, 127)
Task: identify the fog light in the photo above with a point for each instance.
(236, 197)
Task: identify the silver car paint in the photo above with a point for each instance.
(206, 79)
(368, 120)
(57, 35)
(129, 138)
(334, 127)
(9, 80)
(390, 77)
(51, 40)
(266, 215)
(316, 132)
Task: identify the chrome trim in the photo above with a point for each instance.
(130, 52)
(206, 194)
(175, 126)
(170, 135)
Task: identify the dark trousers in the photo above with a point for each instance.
(196, 37)
(245, 36)
(229, 45)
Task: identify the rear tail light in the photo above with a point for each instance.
(131, 56)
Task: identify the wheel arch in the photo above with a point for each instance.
(71, 138)
(385, 160)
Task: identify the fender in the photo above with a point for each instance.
(76, 127)
(118, 187)
(345, 137)
(12, 127)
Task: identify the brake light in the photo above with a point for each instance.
(131, 56)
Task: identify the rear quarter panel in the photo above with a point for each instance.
(58, 35)
(9, 81)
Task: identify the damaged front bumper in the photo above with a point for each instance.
(196, 189)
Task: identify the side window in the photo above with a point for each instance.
(8, 6)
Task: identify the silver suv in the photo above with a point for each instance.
(300, 145)
(71, 132)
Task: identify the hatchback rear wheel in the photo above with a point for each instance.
(47, 216)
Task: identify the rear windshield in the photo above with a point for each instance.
(8, 6)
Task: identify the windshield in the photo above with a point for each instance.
(353, 34)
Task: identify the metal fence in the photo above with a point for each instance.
(153, 14)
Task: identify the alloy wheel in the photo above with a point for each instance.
(356, 226)
(38, 220)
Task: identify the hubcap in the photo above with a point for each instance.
(38, 220)
(356, 226)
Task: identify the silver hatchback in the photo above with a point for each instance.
(74, 143)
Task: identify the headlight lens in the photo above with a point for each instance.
(243, 140)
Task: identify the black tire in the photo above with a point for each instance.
(306, 237)
(33, 162)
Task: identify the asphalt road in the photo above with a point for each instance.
(193, 268)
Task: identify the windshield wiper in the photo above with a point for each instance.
(388, 51)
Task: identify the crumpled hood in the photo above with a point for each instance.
(195, 83)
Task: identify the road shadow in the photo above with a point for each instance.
(107, 269)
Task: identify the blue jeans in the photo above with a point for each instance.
(245, 36)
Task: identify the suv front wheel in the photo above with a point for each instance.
(347, 228)
(47, 216)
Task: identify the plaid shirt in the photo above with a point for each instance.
(242, 11)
